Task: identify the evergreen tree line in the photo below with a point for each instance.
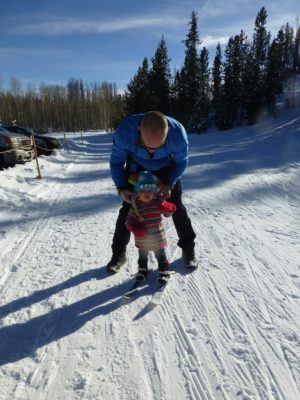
(242, 82)
(76, 106)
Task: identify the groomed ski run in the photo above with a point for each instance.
(228, 330)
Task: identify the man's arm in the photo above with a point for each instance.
(180, 145)
(118, 159)
(180, 162)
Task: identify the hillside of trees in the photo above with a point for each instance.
(243, 81)
(73, 107)
(241, 84)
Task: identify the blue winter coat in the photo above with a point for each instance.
(173, 154)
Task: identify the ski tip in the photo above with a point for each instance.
(129, 296)
(152, 304)
(156, 300)
(191, 266)
(112, 271)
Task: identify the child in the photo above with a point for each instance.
(145, 222)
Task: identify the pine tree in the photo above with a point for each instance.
(288, 63)
(160, 79)
(236, 54)
(188, 82)
(137, 94)
(274, 74)
(244, 54)
(217, 72)
(280, 39)
(231, 83)
(203, 101)
(288, 50)
(174, 95)
(297, 52)
(256, 67)
(261, 39)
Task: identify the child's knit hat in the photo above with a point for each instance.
(147, 181)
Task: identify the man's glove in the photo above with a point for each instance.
(165, 191)
(126, 194)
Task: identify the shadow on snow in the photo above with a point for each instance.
(22, 340)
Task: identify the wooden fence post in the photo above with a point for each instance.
(36, 156)
(66, 140)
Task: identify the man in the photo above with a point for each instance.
(156, 143)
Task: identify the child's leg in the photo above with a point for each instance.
(163, 266)
(143, 260)
(163, 263)
(142, 265)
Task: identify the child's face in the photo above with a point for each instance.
(146, 195)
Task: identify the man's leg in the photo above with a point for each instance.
(181, 219)
(122, 235)
(183, 227)
(120, 240)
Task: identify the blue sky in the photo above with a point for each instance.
(95, 40)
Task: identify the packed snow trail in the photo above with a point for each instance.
(229, 330)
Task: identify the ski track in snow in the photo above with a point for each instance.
(229, 330)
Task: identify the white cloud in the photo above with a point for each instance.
(218, 8)
(275, 22)
(212, 41)
(68, 25)
(15, 52)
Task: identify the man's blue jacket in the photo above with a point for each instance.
(173, 154)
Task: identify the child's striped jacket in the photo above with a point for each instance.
(145, 221)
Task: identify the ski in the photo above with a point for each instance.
(134, 288)
(192, 266)
(113, 270)
(140, 281)
(157, 295)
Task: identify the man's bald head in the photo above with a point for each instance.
(154, 129)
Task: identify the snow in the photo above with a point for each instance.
(229, 330)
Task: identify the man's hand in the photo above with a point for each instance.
(126, 194)
(166, 191)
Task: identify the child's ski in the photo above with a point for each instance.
(139, 281)
(157, 295)
(133, 290)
